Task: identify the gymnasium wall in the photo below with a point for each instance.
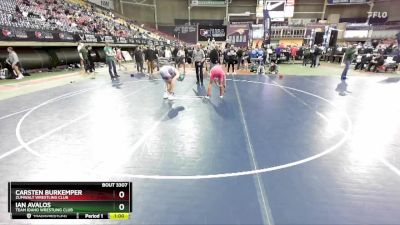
(392, 7)
(169, 10)
(315, 6)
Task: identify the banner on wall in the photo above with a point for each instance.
(238, 34)
(334, 2)
(198, 22)
(267, 27)
(185, 33)
(289, 8)
(206, 33)
(108, 4)
(276, 9)
(12, 34)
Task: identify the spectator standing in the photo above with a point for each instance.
(168, 53)
(348, 58)
(80, 46)
(13, 61)
(214, 57)
(293, 53)
(138, 54)
(316, 53)
(268, 54)
(278, 51)
(110, 60)
(313, 55)
(231, 53)
(261, 60)
(239, 54)
(85, 57)
(320, 50)
(181, 58)
(307, 55)
(175, 55)
(161, 52)
(119, 57)
(199, 58)
(150, 57)
(92, 57)
(186, 50)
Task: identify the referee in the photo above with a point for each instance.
(199, 58)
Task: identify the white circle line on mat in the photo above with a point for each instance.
(25, 145)
(212, 176)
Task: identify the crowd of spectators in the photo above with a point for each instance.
(377, 55)
(66, 16)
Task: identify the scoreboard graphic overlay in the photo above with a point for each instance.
(70, 200)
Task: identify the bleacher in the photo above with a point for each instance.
(75, 17)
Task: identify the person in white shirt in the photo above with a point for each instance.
(168, 53)
(80, 46)
(13, 60)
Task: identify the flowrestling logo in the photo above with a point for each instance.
(209, 32)
(212, 32)
(380, 15)
(205, 33)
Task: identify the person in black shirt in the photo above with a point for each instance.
(91, 57)
(376, 62)
(372, 63)
(150, 57)
(186, 50)
(175, 56)
(139, 59)
(231, 54)
(333, 52)
(214, 57)
(381, 61)
(315, 55)
(225, 58)
(239, 54)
